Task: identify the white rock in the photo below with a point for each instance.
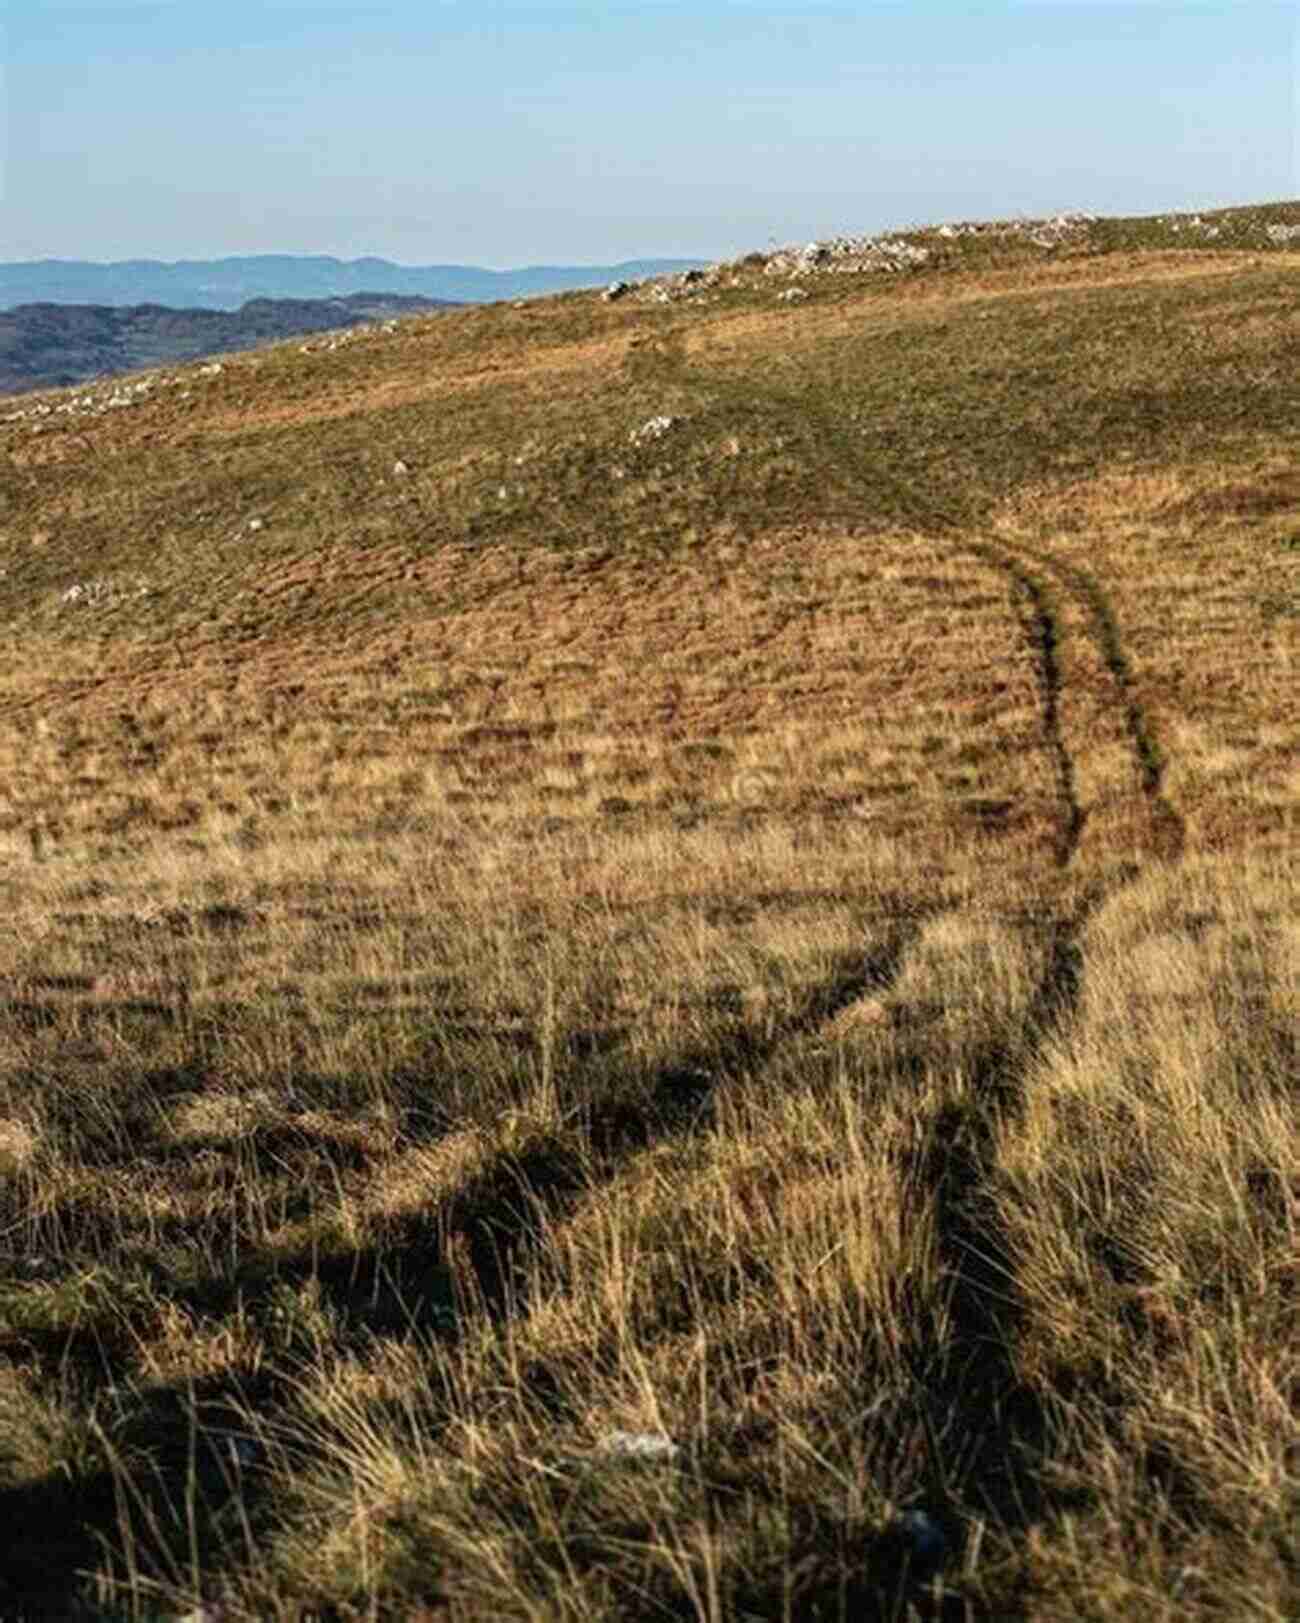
(639, 1445)
(654, 429)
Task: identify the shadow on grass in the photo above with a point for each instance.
(986, 1428)
(180, 1501)
(190, 1485)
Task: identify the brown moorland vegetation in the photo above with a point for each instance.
(776, 933)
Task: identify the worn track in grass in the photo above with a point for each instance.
(987, 1428)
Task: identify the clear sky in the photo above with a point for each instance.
(513, 132)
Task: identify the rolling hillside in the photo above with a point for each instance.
(650, 952)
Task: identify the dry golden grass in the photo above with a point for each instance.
(782, 938)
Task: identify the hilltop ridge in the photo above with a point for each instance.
(225, 284)
(51, 344)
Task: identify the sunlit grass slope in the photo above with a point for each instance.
(718, 869)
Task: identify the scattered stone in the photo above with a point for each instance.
(103, 593)
(689, 286)
(638, 1445)
(894, 253)
(347, 335)
(121, 394)
(847, 254)
(793, 295)
(256, 524)
(400, 469)
(654, 429)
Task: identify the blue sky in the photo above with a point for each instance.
(504, 133)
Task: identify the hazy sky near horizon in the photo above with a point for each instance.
(513, 132)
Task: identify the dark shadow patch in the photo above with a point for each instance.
(191, 1457)
(680, 1096)
(1044, 632)
(465, 1257)
(501, 1215)
(987, 1428)
(63, 983)
(838, 1573)
(989, 816)
(50, 1527)
(1169, 835)
(30, 1016)
(593, 1041)
(1279, 493)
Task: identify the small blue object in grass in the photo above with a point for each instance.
(923, 1535)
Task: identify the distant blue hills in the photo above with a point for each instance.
(66, 321)
(228, 284)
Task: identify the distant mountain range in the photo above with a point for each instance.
(226, 284)
(65, 321)
(44, 346)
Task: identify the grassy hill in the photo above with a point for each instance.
(703, 866)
